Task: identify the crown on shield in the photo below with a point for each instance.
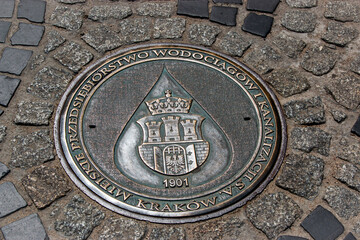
(169, 104)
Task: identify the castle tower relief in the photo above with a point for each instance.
(189, 129)
(154, 131)
(171, 128)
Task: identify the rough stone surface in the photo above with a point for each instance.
(224, 15)
(4, 29)
(288, 82)
(10, 200)
(319, 60)
(273, 213)
(29, 228)
(259, 25)
(355, 65)
(100, 13)
(263, 59)
(342, 11)
(102, 39)
(322, 224)
(37, 61)
(309, 139)
(345, 202)
(120, 228)
(267, 6)
(350, 236)
(45, 184)
(28, 35)
(2, 133)
(50, 83)
(339, 35)
(7, 8)
(225, 229)
(165, 233)
(345, 89)
(169, 28)
(307, 112)
(357, 228)
(299, 21)
(71, 1)
(14, 60)
(78, 219)
(348, 174)
(73, 56)
(8, 87)
(235, 43)
(135, 30)
(203, 34)
(33, 113)
(156, 9)
(338, 115)
(67, 18)
(32, 149)
(287, 237)
(302, 175)
(193, 8)
(3, 170)
(349, 150)
(32, 10)
(288, 45)
(229, 1)
(54, 39)
(302, 3)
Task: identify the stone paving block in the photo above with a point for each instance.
(32, 10)
(356, 128)
(344, 88)
(135, 30)
(2, 133)
(258, 24)
(338, 116)
(28, 35)
(1, 112)
(33, 113)
(29, 228)
(78, 219)
(32, 149)
(7, 8)
(307, 112)
(349, 150)
(355, 65)
(203, 34)
(302, 175)
(319, 60)
(345, 202)
(302, 3)
(10, 200)
(235, 43)
(350, 236)
(45, 184)
(310, 139)
(289, 45)
(4, 29)
(299, 21)
(339, 35)
(54, 39)
(322, 224)
(342, 11)
(287, 237)
(224, 15)
(50, 83)
(156, 9)
(8, 87)
(348, 174)
(229, 1)
(37, 61)
(288, 81)
(267, 6)
(356, 228)
(193, 8)
(263, 59)
(273, 220)
(101, 13)
(3, 170)
(14, 60)
(102, 39)
(168, 233)
(73, 56)
(169, 28)
(120, 228)
(71, 1)
(67, 18)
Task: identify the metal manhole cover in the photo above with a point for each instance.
(170, 133)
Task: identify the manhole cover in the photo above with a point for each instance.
(170, 133)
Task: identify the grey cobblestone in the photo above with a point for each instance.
(135, 30)
(342, 11)
(54, 39)
(288, 45)
(349, 150)
(263, 59)
(28, 35)
(338, 115)
(348, 174)
(319, 60)
(309, 139)
(100, 13)
(71, 1)
(156, 9)
(8, 87)
(33, 113)
(3, 170)
(14, 60)
(302, 3)
(168, 233)
(67, 18)
(235, 43)
(32, 10)
(355, 65)
(7, 8)
(169, 28)
(339, 35)
(203, 34)
(102, 39)
(37, 61)
(10, 200)
(299, 21)
(120, 228)
(2, 133)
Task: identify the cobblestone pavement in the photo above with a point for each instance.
(307, 50)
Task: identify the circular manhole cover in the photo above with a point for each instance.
(170, 133)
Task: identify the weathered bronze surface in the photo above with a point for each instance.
(170, 133)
